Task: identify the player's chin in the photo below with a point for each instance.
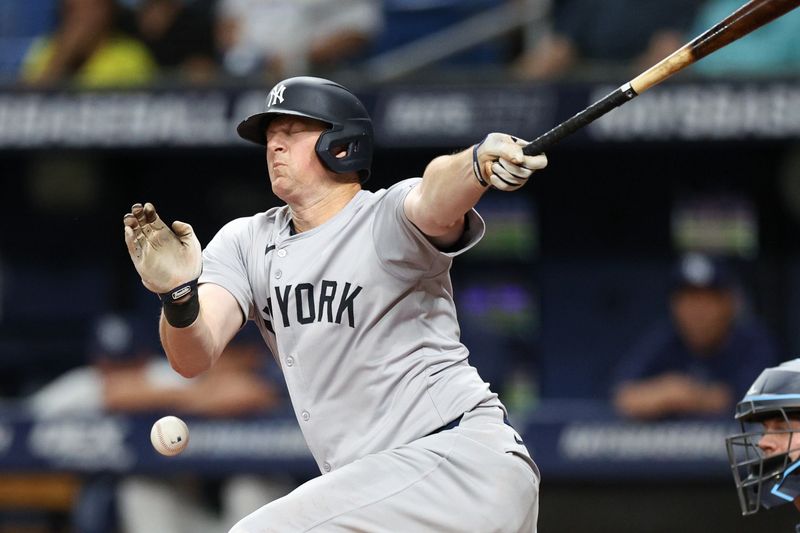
(276, 178)
(282, 187)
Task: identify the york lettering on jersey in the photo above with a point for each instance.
(305, 303)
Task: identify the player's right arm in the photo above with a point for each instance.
(196, 322)
(452, 184)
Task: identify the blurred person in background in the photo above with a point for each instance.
(89, 49)
(127, 375)
(595, 36)
(280, 38)
(180, 36)
(770, 50)
(703, 358)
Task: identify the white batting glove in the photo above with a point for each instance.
(164, 258)
(498, 161)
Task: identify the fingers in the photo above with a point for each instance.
(130, 221)
(510, 151)
(507, 176)
(532, 162)
(133, 232)
(504, 180)
(535, 162)
(181, 229)
(137, 210)
(150, 213)
(144, 220)
(130, 241)
(503, 146)
(515, 170)
(144, 214)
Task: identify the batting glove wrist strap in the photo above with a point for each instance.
(476, 166)
(181, 315)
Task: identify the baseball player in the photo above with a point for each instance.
(351, 291)
(765, 456)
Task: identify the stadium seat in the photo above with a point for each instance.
(21, 21)
(408, 20)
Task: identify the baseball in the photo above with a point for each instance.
(169, 435)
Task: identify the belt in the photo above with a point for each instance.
(450, 425)
(454, 423)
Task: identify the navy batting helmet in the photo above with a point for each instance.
(767, 479)
(349, 123)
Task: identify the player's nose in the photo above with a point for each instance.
(276, 142)
(767, 445)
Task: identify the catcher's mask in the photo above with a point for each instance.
(768, 475)
(349, 124)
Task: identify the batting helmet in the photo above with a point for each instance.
(768, 480)
(349, 123)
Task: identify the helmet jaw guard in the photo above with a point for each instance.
(761, 480)
(349, 123)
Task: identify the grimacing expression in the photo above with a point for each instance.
(291, 156)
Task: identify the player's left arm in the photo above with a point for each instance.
(452, 184)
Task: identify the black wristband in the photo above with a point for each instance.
(476, 167)
(178, 292)
(181, 315)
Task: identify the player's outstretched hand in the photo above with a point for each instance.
(164, 258)
(498, 161)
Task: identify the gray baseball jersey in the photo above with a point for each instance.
(359, 313)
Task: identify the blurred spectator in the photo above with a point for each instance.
(770, 50)
(88, 48)
(620, 34)
(125, 377)
(704, 359)
(287, 37)
(180, 36)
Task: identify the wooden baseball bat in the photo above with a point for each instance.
(747, 18)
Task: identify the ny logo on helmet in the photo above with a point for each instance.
(276, 95)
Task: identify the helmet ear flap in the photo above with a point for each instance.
(358, 157)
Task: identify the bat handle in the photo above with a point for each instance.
(588, 115)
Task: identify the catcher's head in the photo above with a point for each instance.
(765, 456)
(347, 142)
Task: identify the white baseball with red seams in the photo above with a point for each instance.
(169, 435)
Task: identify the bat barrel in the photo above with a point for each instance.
(744, 20)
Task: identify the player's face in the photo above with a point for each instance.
(780, 437)
(292, 161)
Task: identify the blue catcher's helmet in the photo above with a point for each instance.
(771, 478)
(349, 123)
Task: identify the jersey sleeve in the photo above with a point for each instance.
(403, 249)
(225, 263)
